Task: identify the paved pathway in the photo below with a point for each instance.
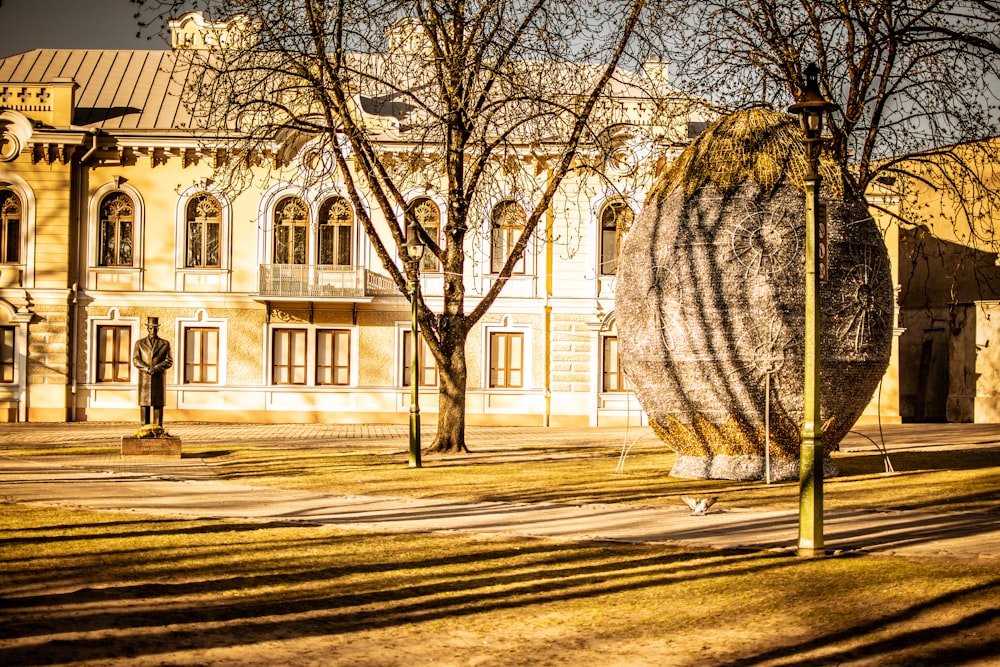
(187, 488)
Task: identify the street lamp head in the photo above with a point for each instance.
(812, 106)
(414, 248)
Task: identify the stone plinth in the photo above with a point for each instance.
(164, 447)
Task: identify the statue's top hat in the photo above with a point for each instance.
(152, 321)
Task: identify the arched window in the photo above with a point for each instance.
(291, 231)
(117, 220)
(10, 227)
(203, 221)
(427, 215)
(616, 219)
(506, 225)
(336, 232)
(612, 378)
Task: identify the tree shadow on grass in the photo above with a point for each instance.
(893, 640)
(156, 598)
(203, 610)
(966, 459)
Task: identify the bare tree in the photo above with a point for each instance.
(916, 81)
(475, 99)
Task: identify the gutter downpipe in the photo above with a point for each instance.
(75, 289)
(75, 310)
(549, 223)
(93, 149)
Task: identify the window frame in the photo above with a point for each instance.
(116, 260)
(299, 227)
(199, 278)
(111, 319)
(204, 223)
(5, 221)
(619, 377)
(291, 366)
(115, 364)
(504, 232)
(493, 367)
(313, 334)
(201, 320)
(335, 333)
(23, 273)
(429, 262)
(428, 364)
(608, 234)
(327, 225)
(95, 270)
(202, 365)
(8, 354)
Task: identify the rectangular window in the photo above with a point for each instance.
(503, 241)
(343, 245)
(288, 356)
(429, 262)
(611, 379)
(506, 359)
(333, 357)
(114, 353)
(7, 354)
(609, 251)
(11, 241)
(202, 244)
(428, 372)
(201, 355)
(334, 245)
(291, 244)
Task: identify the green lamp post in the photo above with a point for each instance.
(415, 252)
(811, 108)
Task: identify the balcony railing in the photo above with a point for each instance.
(322, 281)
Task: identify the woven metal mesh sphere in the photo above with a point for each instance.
(710, 302)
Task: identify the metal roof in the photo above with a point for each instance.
(119, 89)
(141, 91)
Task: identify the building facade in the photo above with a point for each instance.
(274, 303)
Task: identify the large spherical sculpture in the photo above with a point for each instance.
(710, 302)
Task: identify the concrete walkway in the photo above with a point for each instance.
(187, 488)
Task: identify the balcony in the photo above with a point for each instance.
(298, 282)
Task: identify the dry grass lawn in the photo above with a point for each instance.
(87, 588)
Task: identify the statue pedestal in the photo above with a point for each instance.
(169, 447)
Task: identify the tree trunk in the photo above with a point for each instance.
(451, 398)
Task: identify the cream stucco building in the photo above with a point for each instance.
(273, 301)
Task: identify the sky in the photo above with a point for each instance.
(70, 24)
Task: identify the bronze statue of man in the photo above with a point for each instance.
(151, 356)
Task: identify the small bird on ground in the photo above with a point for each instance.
(699, 506)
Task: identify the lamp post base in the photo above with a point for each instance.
(812, 553)
(414, 439)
